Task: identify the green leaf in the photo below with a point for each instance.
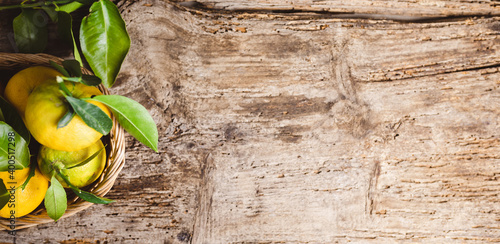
(84, 162)
(91, 80)
(30, 31)
(51, 12)
(104, 40)
(64, 27)
(89, 197)
(66, 118)
(11, 117)
(59, 68)
(65, 32)
(86, 2)
(4, 194)
(70, 7)
(30, 175)
(92, 115)
(72, 79)
(13, 149)
(88, 80)
(55, 199)
(134, 118)
(73, 67)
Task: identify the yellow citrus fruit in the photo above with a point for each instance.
(46, 106)
(24, 82)
(79, 176)
(17, 178)
(23, 202)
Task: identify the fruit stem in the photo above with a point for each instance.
(58, 165)
(30, 174)
(58, 168)
(62, 86)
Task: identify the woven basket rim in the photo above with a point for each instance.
(114, 162)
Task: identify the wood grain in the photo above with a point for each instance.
(402, 10)
(295, 127)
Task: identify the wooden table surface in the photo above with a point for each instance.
(304, 122)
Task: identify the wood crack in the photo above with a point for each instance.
(439, 72)
(370, 205)
(312, 13)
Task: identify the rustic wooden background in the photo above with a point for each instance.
(305, 121)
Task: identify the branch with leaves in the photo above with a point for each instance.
(104, 40)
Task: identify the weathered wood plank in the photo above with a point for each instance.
(389, 9)
(313, 144)
(282, 127)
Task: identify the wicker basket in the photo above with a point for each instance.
(115, 149)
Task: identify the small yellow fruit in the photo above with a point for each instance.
(24, 82)
(79, 176)
(46, 106)
(23, 202)
(17, 178)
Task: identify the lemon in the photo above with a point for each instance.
(78, 176)
(24, 82)
(46, 106)
(23, 201)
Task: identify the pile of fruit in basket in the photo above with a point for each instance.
(52, 118)
(60, 115)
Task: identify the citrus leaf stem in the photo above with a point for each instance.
(31, 174)
(65, 177)
(62, 86)
(87, 196)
